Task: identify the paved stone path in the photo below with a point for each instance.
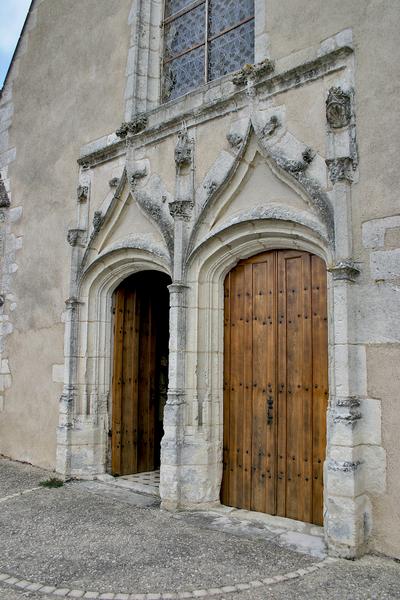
(90, 540)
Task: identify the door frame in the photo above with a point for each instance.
(109, 467)
(347, 507)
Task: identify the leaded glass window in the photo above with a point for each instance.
(203, 40)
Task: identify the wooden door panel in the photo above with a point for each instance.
(264, 387)
(140, 346)
(275, 385)
(320, 382)
(117, 382)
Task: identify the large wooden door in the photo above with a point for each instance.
(141, 326)
(276, 385)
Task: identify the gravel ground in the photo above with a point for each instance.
(87, 535)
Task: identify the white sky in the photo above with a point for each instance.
(12, 17)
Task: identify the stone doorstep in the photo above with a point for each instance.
(131, 485)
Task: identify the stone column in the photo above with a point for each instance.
(181, 209)
(348, 508)
(68, 401)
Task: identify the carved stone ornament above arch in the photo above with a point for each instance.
(291, 161)
(150, 201)
(293, 220)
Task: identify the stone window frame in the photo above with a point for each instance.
(143, 91)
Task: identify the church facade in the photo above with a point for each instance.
(200, 237)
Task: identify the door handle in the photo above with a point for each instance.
(270, 411)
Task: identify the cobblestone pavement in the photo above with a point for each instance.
(90, 540)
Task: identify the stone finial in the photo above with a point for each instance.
(183, 148)
(4, 199)
(338, 108)
(253, 72)
(138, 124)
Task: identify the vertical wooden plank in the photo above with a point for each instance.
(247, 349)
(306, 389)
(283, 387)
(117, 387)
(320, 382)
(144, 381)
(270, 360)
(294, 417)
(236, 392)
(260, 386)
(128, 416)
(226, 407)
(152, 369)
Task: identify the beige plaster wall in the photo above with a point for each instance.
(384, 383)
(69, 90)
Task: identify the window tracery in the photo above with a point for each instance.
(204, 40)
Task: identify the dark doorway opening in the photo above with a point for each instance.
(140, 372)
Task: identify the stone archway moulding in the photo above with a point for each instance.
(82, 437)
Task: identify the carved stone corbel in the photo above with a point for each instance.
(340, 169)
(4, 199)
(138, 124)
(345, 270)
(252, 73)
(75, 236)
(181, 210)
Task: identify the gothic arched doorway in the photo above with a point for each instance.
(140, 372)
(276, 385)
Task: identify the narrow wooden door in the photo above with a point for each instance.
(276, 385)
(141, 318)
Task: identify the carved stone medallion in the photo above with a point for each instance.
(338, 108)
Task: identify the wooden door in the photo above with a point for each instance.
(276, 385)
(141, 325)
